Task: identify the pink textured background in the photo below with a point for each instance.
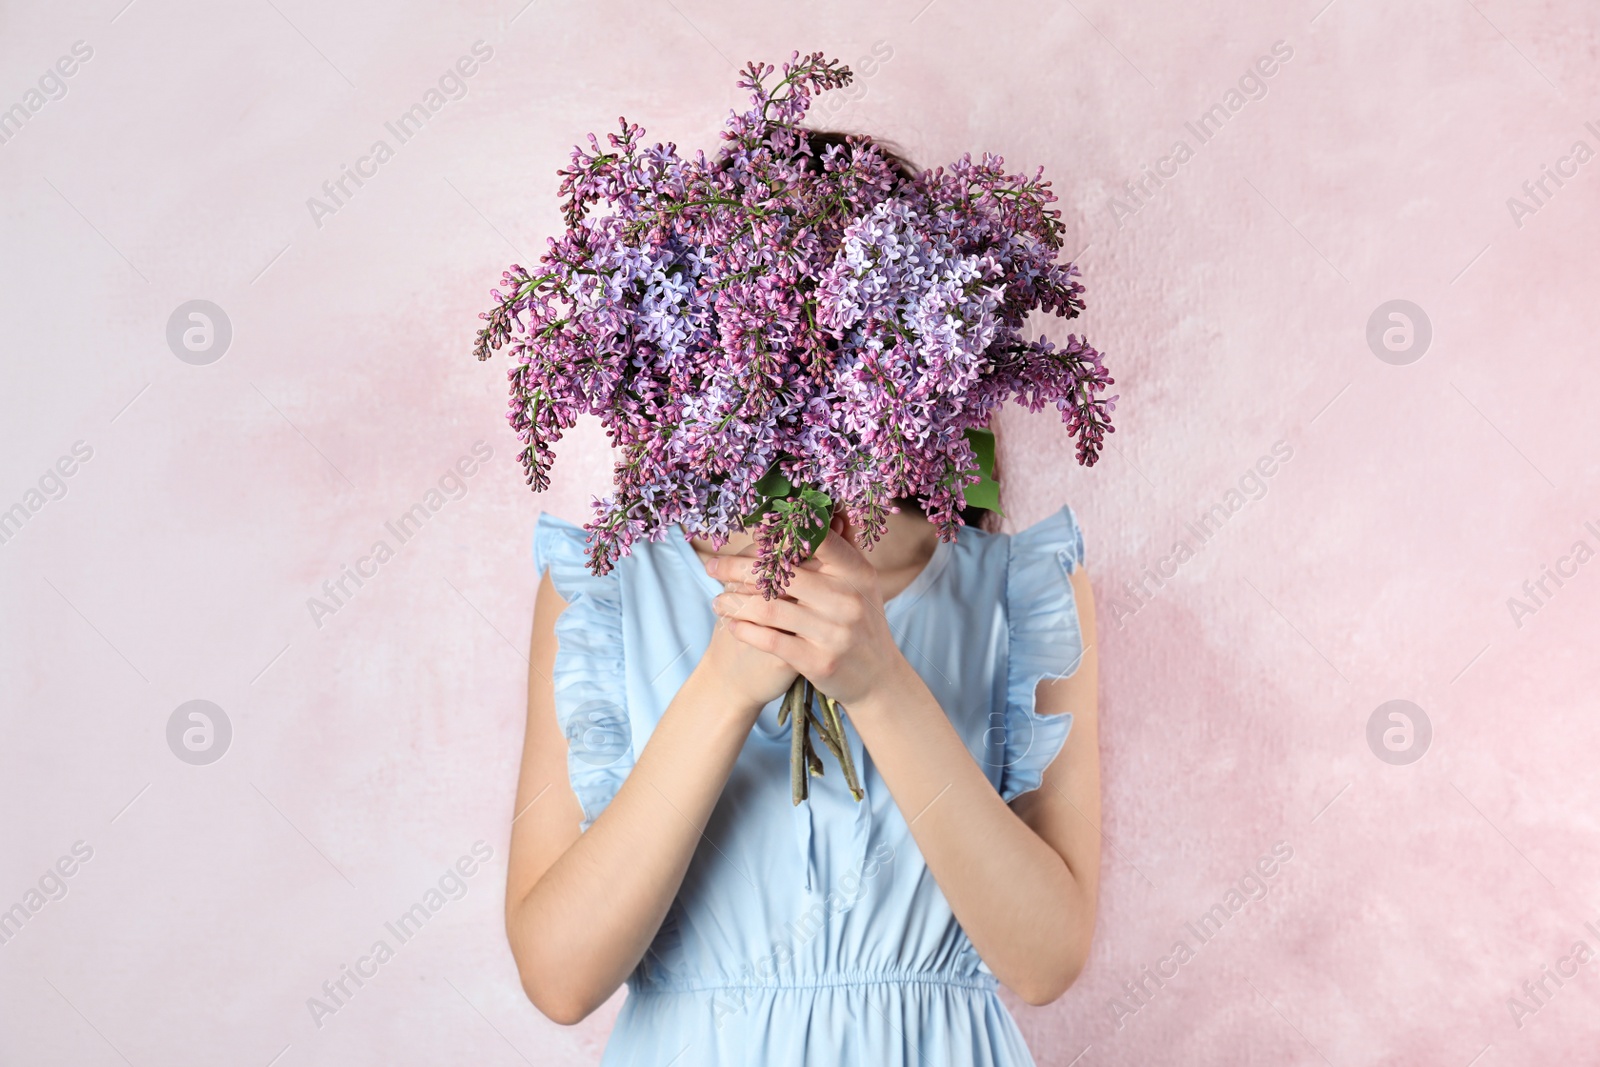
(371, 752)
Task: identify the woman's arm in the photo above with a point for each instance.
(1021, 879)
(582, 908)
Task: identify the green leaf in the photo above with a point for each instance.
(986, 493)
(820, 505)
(772, 486)
(754, 518)
(808, 512)
(818, 500)
(773, 483)
(814, 533)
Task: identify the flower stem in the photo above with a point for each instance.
(825, 732)
(797, 710)
(830, 709)
(799, 787)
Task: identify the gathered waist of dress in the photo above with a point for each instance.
(753, 983)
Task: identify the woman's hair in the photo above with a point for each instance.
(819, 141)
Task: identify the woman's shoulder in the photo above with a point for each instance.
(1056, 536)
(555, 539)
(1007, 569)
(561, 548)
(649, 572)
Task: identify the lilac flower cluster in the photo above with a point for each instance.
(772, 332)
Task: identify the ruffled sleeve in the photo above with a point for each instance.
(590, 686)
(1046, 641)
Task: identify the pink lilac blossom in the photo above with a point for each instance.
(774, 311)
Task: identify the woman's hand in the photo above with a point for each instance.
(829, 627)
(751, 676)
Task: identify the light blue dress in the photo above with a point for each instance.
(814, 934)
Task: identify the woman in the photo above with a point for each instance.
(656, 840)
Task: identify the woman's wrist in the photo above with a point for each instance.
(892, 694)
(711, 698)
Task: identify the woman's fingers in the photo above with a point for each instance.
(781, 614)
(731, 569)
(786, 647)
(840, 556)
(738, 573)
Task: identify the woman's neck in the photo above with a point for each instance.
(899, 555)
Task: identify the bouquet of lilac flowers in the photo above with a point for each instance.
(771, 334)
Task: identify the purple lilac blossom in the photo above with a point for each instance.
(765, 310)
